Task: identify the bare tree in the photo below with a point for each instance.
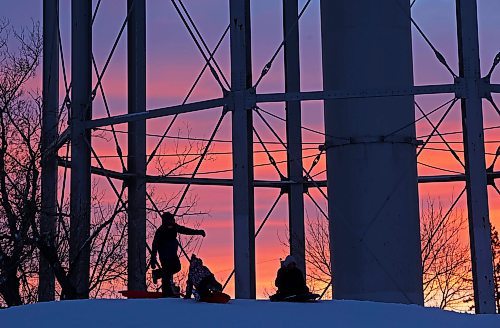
(19, 160)
(182, 154)
(445, 256)
(107, 243)
(319, 272)
(108, 257)
(495, 249)
(20, 156)
(318, 267)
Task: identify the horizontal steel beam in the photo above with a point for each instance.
(253, 99)
(451, 177)
(98, 171)
(212, 181)
(346, 94)
(155, 113)
(495, 88)
(257, 183)
(282, 184)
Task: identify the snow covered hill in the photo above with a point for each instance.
(240, 313)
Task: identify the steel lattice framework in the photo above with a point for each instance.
(242, 102)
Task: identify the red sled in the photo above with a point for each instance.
(140, 294)
(216, 297)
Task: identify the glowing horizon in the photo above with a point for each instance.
(174, 62)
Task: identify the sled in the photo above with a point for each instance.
(303, 298)
(295, 298)
(140, 294)
(216, 297)
(145, 294)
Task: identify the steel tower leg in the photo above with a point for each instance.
(243, 190)
(475, 165)
(81, 110)
(137, 146)
(372, 180)
(294, 133)
(46, 288)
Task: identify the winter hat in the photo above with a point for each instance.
(289, 260)
(167, 217)
(195, 260)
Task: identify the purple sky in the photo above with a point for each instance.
(174, 62)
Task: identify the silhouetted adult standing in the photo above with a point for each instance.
(166, 245)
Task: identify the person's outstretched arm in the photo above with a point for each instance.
(188, 231)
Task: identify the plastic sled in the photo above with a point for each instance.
(296, 298)
(140, 294)
(216, 297)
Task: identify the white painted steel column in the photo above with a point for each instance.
(294, 133)
(81, 110)
(50, 94)
(372, 180)
(243, 190)
(475, 165)
(136, 159)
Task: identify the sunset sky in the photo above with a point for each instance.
(174, 62)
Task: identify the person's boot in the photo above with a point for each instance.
(176, 290)
(169, 288)
(166, 288)
(196, 295)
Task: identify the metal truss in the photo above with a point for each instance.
(241, 98)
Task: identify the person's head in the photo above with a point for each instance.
(167, 218)
(289, 262)
(196, 260)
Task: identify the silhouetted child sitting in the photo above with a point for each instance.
(290, 281)
(201, 279)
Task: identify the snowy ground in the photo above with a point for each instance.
(241, 313)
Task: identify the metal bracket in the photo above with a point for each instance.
(228, 101)
(250, 98)
(305, 185)
(485, 88)
(461, 87)
(247, 97)
(285, 189)
(371, 140)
